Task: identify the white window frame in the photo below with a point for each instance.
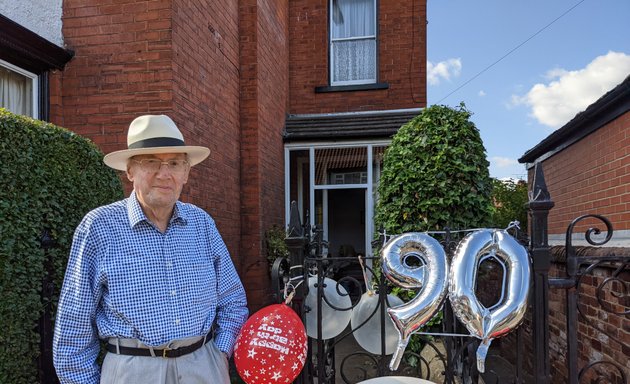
(368, 186)
(333, 40)
(34, 85)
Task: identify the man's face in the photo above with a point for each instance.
(161, 188)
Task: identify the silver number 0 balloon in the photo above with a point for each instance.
(430, 278)
(489, 323)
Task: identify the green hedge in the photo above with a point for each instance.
(51, 178)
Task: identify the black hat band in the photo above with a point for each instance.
(157, 142)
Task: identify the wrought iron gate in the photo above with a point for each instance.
(449, 352)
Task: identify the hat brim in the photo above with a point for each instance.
(118, 159)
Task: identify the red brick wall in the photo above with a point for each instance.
(220, 70)
(592, 176)
(152, 57)
(593, 345)
(205, 91)
(401, 59)
(54, 97)
(264, 94)
(121, 67)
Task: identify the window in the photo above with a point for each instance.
(334, 187)
(352, 42)
(18, 90)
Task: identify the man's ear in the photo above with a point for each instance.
(129, 172)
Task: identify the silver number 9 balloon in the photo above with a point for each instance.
(483, 323)
(430, 278)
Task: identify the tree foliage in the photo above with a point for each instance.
(50, 178)
(510, 199)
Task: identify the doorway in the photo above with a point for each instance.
(346, 222)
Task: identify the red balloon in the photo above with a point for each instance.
(271, 346)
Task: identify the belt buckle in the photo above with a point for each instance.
(167, 348)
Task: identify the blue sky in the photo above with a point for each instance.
(521, 80)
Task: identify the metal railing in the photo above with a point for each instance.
(449, 352)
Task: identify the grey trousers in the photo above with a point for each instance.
(204, 366)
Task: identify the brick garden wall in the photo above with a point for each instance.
(603, 310)
(593, 345)
(401, 55)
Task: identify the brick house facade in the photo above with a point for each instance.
(587, 171)
(587, 166)
(233, 75)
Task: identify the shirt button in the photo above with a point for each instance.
(173, 292)
(169, 264)
(176, 321)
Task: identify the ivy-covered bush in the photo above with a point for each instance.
(435, 175)
(50, 179)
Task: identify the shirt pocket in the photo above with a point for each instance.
(200, 281)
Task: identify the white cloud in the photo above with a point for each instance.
(570, 92)
(481, 93)
(503, 162)
(443, 70)
(505, 167)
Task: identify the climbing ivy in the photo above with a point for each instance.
(50, 179)
(435, 175)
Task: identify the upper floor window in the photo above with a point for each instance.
(352, 42)
(18, 90)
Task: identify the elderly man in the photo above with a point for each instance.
(150, 275)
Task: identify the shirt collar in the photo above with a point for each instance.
(136, 215)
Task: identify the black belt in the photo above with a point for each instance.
(166, 352)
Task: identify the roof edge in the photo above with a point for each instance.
(356, 113)
(32, 51)
(607, 108)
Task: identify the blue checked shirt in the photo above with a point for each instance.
(127, 279)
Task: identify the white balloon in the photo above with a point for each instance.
(368, 334)
(334, 320)
(489, 323)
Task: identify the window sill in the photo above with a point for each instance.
(347, 88)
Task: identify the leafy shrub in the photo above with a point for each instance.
(50, 178)
(435, 175)
(275, 244)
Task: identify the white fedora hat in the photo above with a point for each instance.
(154, 134)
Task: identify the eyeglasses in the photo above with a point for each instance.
(154, 165)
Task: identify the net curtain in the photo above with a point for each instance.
(353, 40)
